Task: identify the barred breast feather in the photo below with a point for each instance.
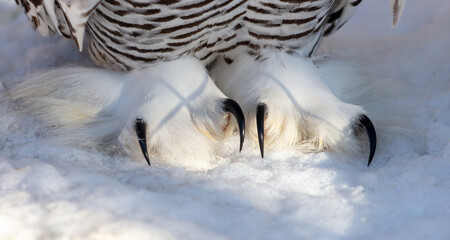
(130, 34)
(66, 17)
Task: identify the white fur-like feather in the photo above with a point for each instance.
(302, 108)
(313, 104)
(98, 108)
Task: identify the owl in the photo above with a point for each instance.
(175, 78)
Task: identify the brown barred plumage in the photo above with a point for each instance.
(129, 34)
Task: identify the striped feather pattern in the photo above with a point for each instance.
(130, 34)
(66, 17)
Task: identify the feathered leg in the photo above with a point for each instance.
(290, 100)
(172, 111)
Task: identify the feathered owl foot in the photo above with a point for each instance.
(170, 112)
(289, 101)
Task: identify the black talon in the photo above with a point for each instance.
(260, 117)
(365, 123)
(141, 128)
(229, 105)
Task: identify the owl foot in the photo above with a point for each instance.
(288, 101)
(170, 112)
(363, 123)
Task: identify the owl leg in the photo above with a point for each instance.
(170, 112)
(289, 100)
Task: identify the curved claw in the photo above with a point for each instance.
(365, 123)
(231, 106)
(260, 117)
(141, 128)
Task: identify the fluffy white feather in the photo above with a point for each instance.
(98, 108)
(313, 104)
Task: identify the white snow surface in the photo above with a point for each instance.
(49, 191)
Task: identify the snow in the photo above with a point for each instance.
(49, 191)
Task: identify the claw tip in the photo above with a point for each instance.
(141, 128)
(260, 117)
(229, 105)
(365, 123)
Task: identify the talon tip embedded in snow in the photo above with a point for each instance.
(260, 117)
(365, 123)
(229, 105)
(141, 128)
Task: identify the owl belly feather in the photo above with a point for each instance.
(131, 34)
